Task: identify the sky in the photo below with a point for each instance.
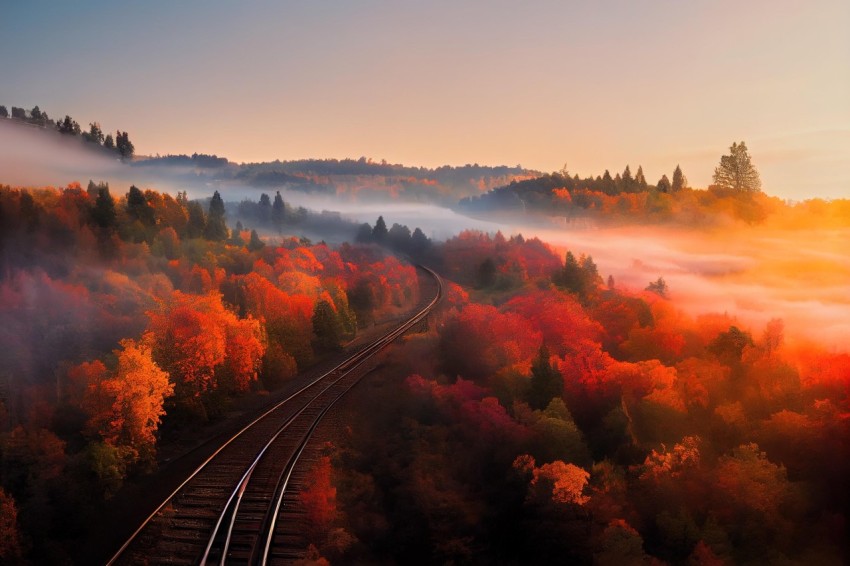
(589, 85)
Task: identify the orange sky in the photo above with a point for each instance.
(593, 85)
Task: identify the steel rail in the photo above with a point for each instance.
(344, 368)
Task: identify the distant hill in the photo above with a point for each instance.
(357, 179)
(352, 179)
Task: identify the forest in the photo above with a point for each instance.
(127, 320)
(546, 415)
(550, 416)
(362, 179)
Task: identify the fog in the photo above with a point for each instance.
(755, 274)
(800, 276)
(34, 157)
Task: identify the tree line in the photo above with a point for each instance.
(120, 143)
(628, 196)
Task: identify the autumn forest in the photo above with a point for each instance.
(554, 368)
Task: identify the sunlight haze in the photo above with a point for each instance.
(594, 86)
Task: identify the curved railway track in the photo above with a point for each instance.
(239, 505)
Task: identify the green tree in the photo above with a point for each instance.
(640, 179)
(627, 181)
(736, 171)
(38, 117)
(68, 126)
(379, 232)
(546, 381)
(364, 234)
(255, 243)
(419, 242)
(103, 213)
(327, 328)
(138, 207)
(108, 142)
(197, 220)
(278, 211)
(663, 185)
(216, 228)
(95, 134)
(124, 145)
(399, 237)
(265, 209)
(3, 112)
(609, 187)
(679, 180)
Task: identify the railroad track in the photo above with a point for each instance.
(240, 505)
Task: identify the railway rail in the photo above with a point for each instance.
(239, 505)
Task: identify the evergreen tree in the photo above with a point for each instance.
(108, 142)
(3, 112)
(138, 207)
(38, 117)
(663, 185)
(68, 126)
(95, 134)
(265, 209)
(124, 145)
(420, 243)
(255, 243)
(609, 187)
(627, 180)
(679, 180)
(103, 213)
(327, 327)
(736, 171)
(399, 237)
(278, 211)
(379, 232)
(197, 220)
(216, 228)
(364, 234)
(546, 382)
(570, 276)
(640, 179)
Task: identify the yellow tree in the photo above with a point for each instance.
(134, 395)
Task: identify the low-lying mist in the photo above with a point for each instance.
(753, 273)
(802, 277)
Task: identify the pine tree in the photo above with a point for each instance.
(679, 180)
(736, 171)
(103, 213)
(138, 207)
(278, 211)
(197, 220)
(640, 179)
(663, 185)
(546, 381)
(216, 228)
(265, 209)
(327, 327)
(124, 145)
(255, 243)
(68, 126)
(379, 232)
